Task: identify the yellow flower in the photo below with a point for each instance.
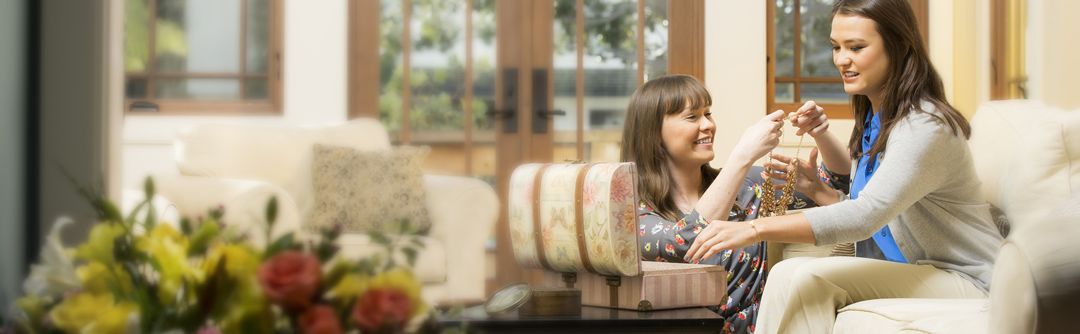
(99, 246)
(88, 313)
(240, 260)
(350, 286)
(166, 246)
(98, 278)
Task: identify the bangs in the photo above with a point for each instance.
(691, 93)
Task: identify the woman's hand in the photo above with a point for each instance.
(760, 138)
(808, 181)
(719, 236)
(810, 118)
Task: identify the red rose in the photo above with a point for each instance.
(319, 319)
(291, 279)
(382, 309)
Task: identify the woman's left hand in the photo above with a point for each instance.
(719, 236)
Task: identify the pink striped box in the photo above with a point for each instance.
(661, 286)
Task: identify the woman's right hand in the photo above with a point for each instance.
(807, 181)
(760, 138)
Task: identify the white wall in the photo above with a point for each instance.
(1052, 52)
(960, 50)
(12, 42)
(735, 55)
(314, 89)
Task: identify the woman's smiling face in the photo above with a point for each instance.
(688, 136)
(859, 54)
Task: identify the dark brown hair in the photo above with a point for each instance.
(643, 145)
(912, 78)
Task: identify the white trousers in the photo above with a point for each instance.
(802, 294)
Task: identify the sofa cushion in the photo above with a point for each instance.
(895, 314)
(1026, 156)
(964, 323)
(367, 190)
(430, 265)
(278, 154)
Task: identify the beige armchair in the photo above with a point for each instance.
(241, 166)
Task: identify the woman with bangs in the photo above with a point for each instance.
(669, 134)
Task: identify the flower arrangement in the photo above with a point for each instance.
(135, 274)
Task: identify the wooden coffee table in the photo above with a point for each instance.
(591, 320)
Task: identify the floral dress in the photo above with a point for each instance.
(666, 241)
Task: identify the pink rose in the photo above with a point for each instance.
(319, 319)
(290, 279)
(382, 309)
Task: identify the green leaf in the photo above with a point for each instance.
(418, 242)
(380, 238)
(202, 238)
(410, 255)
(134, 213)
(272, 211)
(148, 187)
(324, 252)
(283, 243)
(185, 225)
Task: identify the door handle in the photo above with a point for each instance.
(549, 114)
(541, 115)
(508, 114)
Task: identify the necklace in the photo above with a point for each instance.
(771, 204)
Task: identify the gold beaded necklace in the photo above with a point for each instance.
(777, 206)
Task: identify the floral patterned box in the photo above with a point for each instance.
(582, 218)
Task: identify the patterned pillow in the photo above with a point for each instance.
(365, 190)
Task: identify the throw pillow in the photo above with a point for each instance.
(365, 190)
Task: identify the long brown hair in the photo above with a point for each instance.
(643, 144)
(912, 78)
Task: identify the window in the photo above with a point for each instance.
(800, 63)
(202, 56)
(429, 70)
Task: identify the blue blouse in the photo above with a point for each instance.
(863, 173)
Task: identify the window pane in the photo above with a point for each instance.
(256, 89)
(198, 89)
(483, 44)
(610, 73)
(437, 59)
(565, 79)
(785, 93)
(257, 40)
(135, 88)
(785, 38)
(390, 70)
(823, 92)
(656, 38)
(198, 36)
(816, 57)
(136, 35)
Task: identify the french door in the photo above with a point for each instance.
(492, 84)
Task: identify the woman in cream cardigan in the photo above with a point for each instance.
(914, 190)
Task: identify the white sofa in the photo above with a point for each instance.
(1028, 157)
(240, 166)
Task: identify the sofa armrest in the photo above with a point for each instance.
(244, 202)
(463, 212)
